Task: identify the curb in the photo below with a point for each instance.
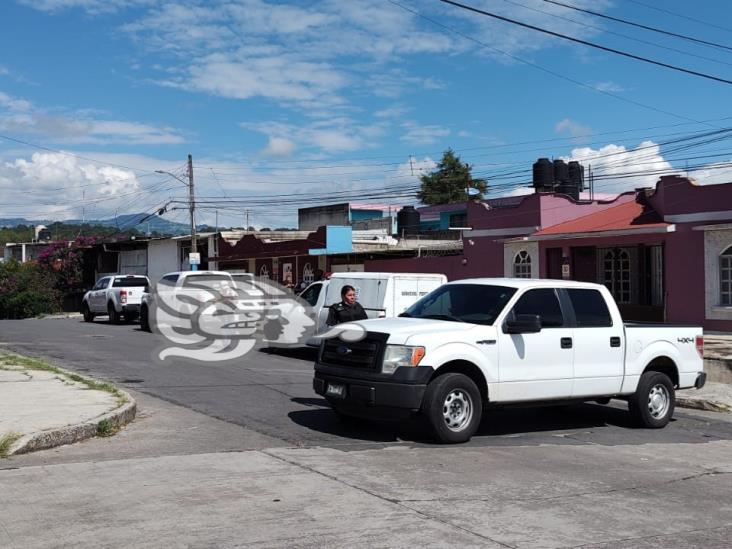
(702, 404)
(44, 440)
(61, 315)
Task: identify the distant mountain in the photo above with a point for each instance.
(123, 222)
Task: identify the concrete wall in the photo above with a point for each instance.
(309, 219)
(557, 209)
(451, 266)
(676, 195)
(162, 257)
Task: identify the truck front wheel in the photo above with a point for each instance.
(652, 404)
(88, 315)
(452, 407)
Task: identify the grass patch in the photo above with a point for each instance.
(106, 428)
(8, 359)
(6, 441)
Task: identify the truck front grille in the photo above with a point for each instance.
(366, 353)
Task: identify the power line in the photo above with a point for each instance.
(544, 69)
(687, 17)
(65, 153)
(640, 26)
(621, 35)
(587, 43)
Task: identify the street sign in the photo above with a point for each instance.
(194, 258)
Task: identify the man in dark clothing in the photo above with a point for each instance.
(348, 310)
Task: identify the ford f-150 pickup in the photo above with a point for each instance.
(473, 344)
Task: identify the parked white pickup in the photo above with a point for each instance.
(472, 344)
(115, 295)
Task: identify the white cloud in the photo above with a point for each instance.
(279, 146)
(285, 52)
(332, 135)
(273, 77)
(423, 135)
(609, 87)
(61, 186)
(395, 111)
(712, 174)
(515, 40)
(93, 7)
(20, 116)
(617, 160)
(571, 127)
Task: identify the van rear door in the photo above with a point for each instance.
(408, 289)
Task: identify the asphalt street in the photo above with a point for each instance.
(245, 454)
(271, 393)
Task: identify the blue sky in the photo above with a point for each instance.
(308, 98)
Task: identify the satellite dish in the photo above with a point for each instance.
(472, 191)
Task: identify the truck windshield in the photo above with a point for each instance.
(474, 303)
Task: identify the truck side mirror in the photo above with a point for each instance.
(523, 324)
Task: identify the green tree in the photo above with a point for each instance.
(450, 182)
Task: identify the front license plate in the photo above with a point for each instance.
(336, 390)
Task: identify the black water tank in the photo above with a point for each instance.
(577, 175)
(543, 175)
(408, 220)
(561, 172)
(570, 189)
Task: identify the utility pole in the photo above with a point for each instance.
(247, 227)
(192, 205)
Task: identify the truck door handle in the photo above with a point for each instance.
(614, 342)
(566, 342)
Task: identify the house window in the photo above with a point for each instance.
(725, 276)
(616, 274)
(459, 220)
(522, 265)
(264, 271)
(308, 275)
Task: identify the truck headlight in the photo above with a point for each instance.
(401, 355)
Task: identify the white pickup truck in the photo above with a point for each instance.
(115, 296)
(473, 344)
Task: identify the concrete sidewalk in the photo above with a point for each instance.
(42, 406)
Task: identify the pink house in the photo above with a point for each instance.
(665, 253)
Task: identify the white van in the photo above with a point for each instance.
(382, 295)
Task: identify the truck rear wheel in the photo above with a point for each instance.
(452, 407)
(114, 316)
(652, 404)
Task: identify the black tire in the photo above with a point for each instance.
(114, 316)
(144, 319)
(456, 422)
(652, 405)
(88, 315)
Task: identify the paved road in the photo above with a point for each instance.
(272, 394)
(281, 471)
